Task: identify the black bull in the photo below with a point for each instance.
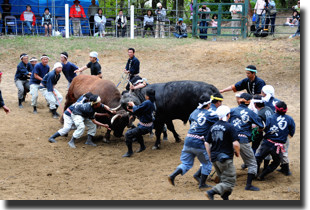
(174, 100)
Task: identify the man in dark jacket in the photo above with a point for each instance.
(132, 67)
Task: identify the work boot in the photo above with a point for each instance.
(226, 195)
(210, 194)
(54, 113)
(35, 110)
(89, 141)
(202, 183)
(285, 169)
(20, 103)
(172, 176)
(52, 138)
(142, 148)
(130, 152)
(197, 175)
(249, 185)
(71, 143)
(266, 163)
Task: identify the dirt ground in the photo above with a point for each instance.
(34, 169)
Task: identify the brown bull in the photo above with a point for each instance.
(109, 95)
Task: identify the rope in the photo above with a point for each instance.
(122, 79)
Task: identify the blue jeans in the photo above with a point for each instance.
(203, 30)
(180, 35)
(258, 19)
(187, 158)
(27, 27)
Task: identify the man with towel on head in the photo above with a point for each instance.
(95, 67)
(48, 90)
(225, 143)
(38, 72)
(252, 84)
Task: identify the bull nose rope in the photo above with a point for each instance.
(122, 79)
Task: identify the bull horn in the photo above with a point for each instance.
(116, 108)
(114, 117)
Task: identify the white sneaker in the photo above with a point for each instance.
(96, 34)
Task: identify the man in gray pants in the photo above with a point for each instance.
(224, 140)
(21, 79)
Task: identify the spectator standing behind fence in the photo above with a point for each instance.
(92, 11)
(29, 19)
(235, 14)
(297, 7)
(259, 9)
(293, 21)
(271, 15)
(160, 23)
(100, 22)
(47, 22)
(191, 8)
(204, 22)
(214, 24)
(148, 22)
(121, 22)
(6, 11)
(181, 30)
(76, 12)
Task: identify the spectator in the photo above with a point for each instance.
(92, 11)
(6, 11)
(148, 22)
(191, 8)
(47, 22)
(271, 15)
(100, 21)
(293, 21)
(259, 9)
(21, 79)
(236, 11)
(160, 23)
(2, 105)
(297, 32)
(214, 24)
(76, 12)
(29, 19)
(121, 22)
(204, 23)
(181, 31)
(297, 7)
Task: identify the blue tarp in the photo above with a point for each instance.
(38, 6)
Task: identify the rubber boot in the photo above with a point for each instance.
(52, 138)
(71, 142)
(130, 152)
(266, 163)
(249, 185)
(20, 105)
(35, 110)
(210, 194)
(226, 195)
(285, 169)
(54, 113)
(202, 183)
(172, 176)
(89, 141)
(142, 146)
(197, 175)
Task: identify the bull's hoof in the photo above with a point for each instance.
(155, 147)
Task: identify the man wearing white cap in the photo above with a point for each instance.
(268, 97)
(252, 84)
(52, 96)
(38, 72)
(225, 143)
(33, 61)
(160, 23)
(84, 115)
(95, 67)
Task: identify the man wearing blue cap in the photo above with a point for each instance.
(252, 84)
(181, 31)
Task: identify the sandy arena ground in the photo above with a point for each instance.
(32, 168)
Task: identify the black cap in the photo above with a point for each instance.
(246, 96)
(65, 54)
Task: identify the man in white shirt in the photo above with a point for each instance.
(236, 11)
(259, 9)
